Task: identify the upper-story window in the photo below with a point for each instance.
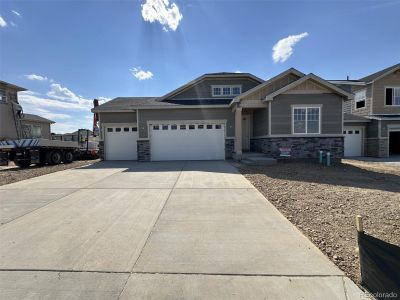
(359, 99)
(226, 90)
(392, 96)
(306, 120)
(3, 96)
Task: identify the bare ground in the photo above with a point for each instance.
(13, 174)
(323, 202)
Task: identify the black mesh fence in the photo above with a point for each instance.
(380, 267)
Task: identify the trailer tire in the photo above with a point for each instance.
(53, 157)
(23, 163)
(68, 157)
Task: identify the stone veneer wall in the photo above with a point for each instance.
(229, 148)
(101, 150)
(376, 147)
(143, 150)
(302, 147)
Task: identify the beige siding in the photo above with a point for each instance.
(386, 125)
(120, 117)
(45, 128)
(331, 112)
(379, 94)
(186, 114)
(202, 90)
(368, 102)
(7, 123)
(260, 122)
(261, 93)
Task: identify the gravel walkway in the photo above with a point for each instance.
(323, 202)
(12, 173)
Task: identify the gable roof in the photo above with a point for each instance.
(36, 118)
(377, 75)
(305, 78)
(208, 76)
(12, 86)
(265, 83)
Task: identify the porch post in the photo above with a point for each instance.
(238, 133)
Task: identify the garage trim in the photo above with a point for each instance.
(105, 126)
(391, 128)
(362, 131)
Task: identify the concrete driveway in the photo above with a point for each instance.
(166, 230)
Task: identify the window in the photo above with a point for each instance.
(134, 128)
(174, 127)
(200, 126)
(110, 129)
(156, 127)
(359, 98)
(165, 127)
(182, 127)
(236, 90)
(36, 131)
(126, 129)
(306, 120)
(216, 91)
(117, 129)
(226, 91)
(191, 127)
(209, 126)
(218, 126)
(3, 96)
(392, 95)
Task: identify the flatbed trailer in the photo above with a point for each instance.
(25, 152)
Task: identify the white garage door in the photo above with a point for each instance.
(352, 141)
(185, 141)
(121, 142)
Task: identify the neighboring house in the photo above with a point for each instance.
(34, 126)
(10, 111)
(372, 118)
(14, 123)
(222, 115)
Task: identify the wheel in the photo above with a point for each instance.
(53, 157)
(23, 163)
(68, 157)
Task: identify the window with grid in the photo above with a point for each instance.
(3, 96)
(392, 95)
(306, 120)
(216, 91)
(226, 91)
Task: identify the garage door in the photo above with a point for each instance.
(185, 141)
(121, 142)
(352, 141)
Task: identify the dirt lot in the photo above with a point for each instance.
(323, 202)
(13, 174)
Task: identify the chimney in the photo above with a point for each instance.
(348, 77)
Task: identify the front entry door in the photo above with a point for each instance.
(246, 133)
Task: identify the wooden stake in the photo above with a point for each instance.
(359, 223)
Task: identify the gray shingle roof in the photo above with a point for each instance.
(36, 118)
(378, 74)
(129, 103)
(354, 118)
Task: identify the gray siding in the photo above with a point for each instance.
(202, 90)
(260, 122)
(364, 111)
(45, 128)
(385, 125)
(7, 123)
(331, 112)
(186, 114)
(379, 94)
(372, 129)
(120, 117)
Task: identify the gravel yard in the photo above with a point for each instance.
(323, 202)
(12, 173)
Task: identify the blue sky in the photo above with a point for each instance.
(80, 50)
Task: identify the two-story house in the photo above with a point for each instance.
(14, 124)
(223, 115)
(372, 118)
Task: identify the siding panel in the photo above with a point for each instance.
(379, 94)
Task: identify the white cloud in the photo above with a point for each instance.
(140, 74)
(103, 99)
(36, 77)
(13, 24)
(161, 11)
(3, 22)
(238, 71)
(283, 49)
(16, 13)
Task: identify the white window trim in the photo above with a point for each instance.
(222, 90)
(360, 100)
(390, 87)
(306, 107)
(5, 96)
